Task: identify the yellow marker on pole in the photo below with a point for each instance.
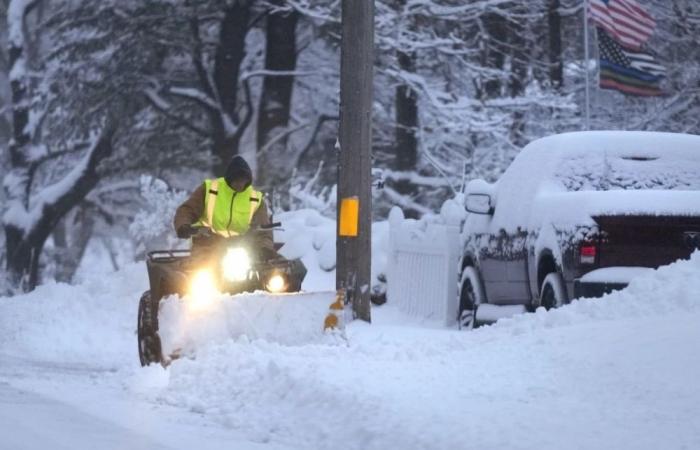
(349, 217)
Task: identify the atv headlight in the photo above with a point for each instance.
(236, 264)
(276, 283)
(203, 288)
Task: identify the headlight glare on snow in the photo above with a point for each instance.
(236, 264)
(202, 288)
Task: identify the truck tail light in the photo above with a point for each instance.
(587, 253)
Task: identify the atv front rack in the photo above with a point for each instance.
(166, 256)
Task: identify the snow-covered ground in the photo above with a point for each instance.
(619, 372)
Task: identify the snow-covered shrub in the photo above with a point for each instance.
(307, 193)
(152, 225)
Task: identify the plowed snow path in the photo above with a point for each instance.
(619, 372)
(55, 406)
(31, 421)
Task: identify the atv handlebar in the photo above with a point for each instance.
(207, 232)
(270, 226)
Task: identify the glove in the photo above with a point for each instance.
(186, 231)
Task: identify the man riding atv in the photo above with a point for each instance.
(228, 210)
(228, 206)
(232, 252)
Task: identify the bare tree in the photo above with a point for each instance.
(406, 105)
(44, 181)
(276, 95)
(187, 57)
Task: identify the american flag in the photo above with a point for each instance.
(625, 20)
(628, 71)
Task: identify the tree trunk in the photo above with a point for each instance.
(21, 257)
(227, 66)
(406, 103)
(406, 110)
(71, 237)
(276, 97)
(60, 249)
(25, 241)
(494, 55)
(518, 78)
(230, 54)
(556, 69)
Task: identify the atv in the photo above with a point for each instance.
(216, 264)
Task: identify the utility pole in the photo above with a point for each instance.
(587, 123)
(353, 245)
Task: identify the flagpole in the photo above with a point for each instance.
(587, 123)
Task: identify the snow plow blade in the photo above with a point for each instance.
(287, 319)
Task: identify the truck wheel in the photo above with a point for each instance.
(147, 331)
(553, 292)
(470, 296)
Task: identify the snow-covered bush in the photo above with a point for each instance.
(152, 225)
(306, 193)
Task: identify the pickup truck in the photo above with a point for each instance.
(578, 215)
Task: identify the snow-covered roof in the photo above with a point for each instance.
(554, 167)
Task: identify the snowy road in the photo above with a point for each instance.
(620, 372)
(55, 406)
(31, 421)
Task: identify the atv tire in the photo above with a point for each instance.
(148, 339)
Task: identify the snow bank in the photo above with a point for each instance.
(615, 274)
(667, 290)
(308, 235)
(92, 323)
(615, 372)
(592, 365)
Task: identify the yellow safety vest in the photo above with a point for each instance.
(228, 212)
